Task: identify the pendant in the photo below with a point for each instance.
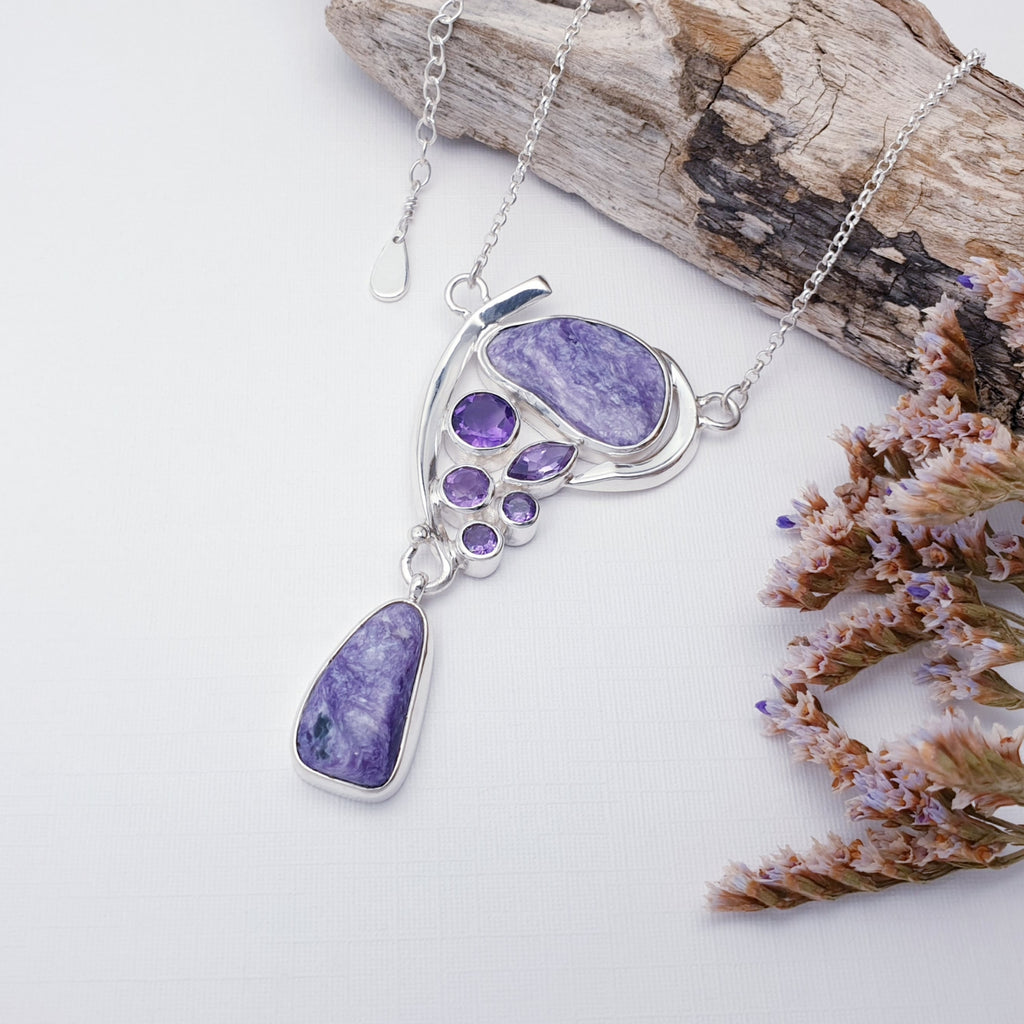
(516, 411)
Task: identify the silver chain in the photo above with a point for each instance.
(529, 144)
(438, 33)
(733, 400)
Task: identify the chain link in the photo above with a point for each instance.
(439, 31)
(740, 392)
(547, 94)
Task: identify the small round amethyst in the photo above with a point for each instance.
(484, 420)
(467, 487)
(480, 539)
(519, 508)
(542, 461)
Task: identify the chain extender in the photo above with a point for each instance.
(389, 280)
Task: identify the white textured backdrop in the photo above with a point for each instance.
(206, 466)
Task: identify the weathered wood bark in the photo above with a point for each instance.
(736, 132)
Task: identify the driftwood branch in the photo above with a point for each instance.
(735, 133)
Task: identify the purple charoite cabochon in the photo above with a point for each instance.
(606, 384)
(484, 420)
(541, 461)
(353, 721)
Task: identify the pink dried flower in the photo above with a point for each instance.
(838, 650)
(910, 523)
(1006, 563)
(836, 867)
(788, 880)
(983, 273)
(963, 480)
(983, 768)
(1003, 290)
(865, 463)
(813, 735)
(944, 361)
(952, 609)
(947, 680)
(832, 553)
(921, 425)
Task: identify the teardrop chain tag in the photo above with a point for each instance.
(389, 279)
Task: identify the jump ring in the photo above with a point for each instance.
(727, 403)
(464, 279)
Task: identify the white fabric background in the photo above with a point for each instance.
(207, 480)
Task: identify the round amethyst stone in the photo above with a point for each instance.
(542, 461)
(519, 508)
(480, 539)
(467, 487)
(484, 420)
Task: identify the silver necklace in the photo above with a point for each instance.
(515, 411)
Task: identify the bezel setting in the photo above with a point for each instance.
(444, 496)
(475, 564)
(410, 730)
(465, 445)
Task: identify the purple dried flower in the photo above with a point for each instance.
(911, 524)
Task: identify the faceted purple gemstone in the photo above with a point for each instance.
(467, 487)
(480, 539)
(541, 461)
(519, 508)
(353, 721)
(484, 420)
(609, 386)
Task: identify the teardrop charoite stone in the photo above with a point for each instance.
(603, 382)
(353, 726)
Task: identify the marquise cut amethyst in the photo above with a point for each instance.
(484, 420)
(608, 385)
(352, 724)
(480, 539)
(467, 487)
(541, 461)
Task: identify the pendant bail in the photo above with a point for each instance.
(420, 583)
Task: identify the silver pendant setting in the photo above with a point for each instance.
(516, 410)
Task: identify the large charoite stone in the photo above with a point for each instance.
(353, 721)
(606, 384)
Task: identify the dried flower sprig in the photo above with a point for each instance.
(1003, 291)
(837, 868)
(984, 769)
(910, 525)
